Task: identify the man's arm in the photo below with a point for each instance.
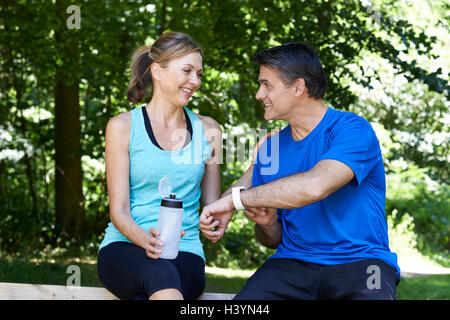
(300, 189)
(294, 191)
(267, 227)
(245, 180)
(269, 237)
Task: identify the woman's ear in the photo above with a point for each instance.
(156, 71)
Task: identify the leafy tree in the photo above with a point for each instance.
(59, 86)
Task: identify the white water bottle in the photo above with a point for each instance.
(169, 226)
(169, 223)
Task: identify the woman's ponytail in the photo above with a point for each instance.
(141, 76)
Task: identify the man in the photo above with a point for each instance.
(323, 208)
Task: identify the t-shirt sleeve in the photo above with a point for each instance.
(256, 175)
(257, 180)
(355, 144)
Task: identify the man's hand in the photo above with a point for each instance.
(267, 227)
(261, 216)
(217, 214)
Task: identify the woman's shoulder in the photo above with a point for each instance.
(208, 122)
(120, 122)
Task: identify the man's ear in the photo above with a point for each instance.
(299, 87)
(156, 71)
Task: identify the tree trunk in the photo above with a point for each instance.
(69, 202)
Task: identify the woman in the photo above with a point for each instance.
(141, 147)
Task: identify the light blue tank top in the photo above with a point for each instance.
(184, 168)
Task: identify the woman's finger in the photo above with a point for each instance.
(156, 242)
(152, 255)
(154, 232)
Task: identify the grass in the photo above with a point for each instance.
(433, 287)
(225, 280)
(22, 271)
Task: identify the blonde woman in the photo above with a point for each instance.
(144, 145)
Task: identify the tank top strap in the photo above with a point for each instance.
(200, 141)
(137, 126)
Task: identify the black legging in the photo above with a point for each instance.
(126, 271)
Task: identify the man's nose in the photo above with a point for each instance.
(260, 94)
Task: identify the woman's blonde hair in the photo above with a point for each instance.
(169, 46)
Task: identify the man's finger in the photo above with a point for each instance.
(255, 212)
(205, 213)
(209, 226)
(206, 220)
(210, 235)
(249, 214)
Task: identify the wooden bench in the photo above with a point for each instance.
(25, 291)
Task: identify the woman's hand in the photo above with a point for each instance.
(153, 244)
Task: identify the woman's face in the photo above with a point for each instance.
(181, 77)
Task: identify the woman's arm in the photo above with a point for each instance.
(117, 177)
(211, 179)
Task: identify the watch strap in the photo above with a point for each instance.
(236, 195)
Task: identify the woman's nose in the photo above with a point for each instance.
(196, 80)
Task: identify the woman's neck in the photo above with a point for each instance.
(161, 112)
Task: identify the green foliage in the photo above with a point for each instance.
(417, 207)
(413, 195)
(394, 72)
(238, 249)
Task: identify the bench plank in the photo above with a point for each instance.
(25, 291)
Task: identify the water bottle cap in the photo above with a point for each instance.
(164, 187)
(172, 202)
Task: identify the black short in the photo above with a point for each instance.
(292, 279)
(126, 271)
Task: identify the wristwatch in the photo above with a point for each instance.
(236, 195)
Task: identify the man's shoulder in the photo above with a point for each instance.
(347, 122)
(348, 117)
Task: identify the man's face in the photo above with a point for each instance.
(276, 97)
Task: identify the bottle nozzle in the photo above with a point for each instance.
(172, 196)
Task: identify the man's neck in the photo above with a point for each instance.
(306, 117)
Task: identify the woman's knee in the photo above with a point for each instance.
(162, 274)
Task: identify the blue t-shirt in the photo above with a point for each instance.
(350, 224)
